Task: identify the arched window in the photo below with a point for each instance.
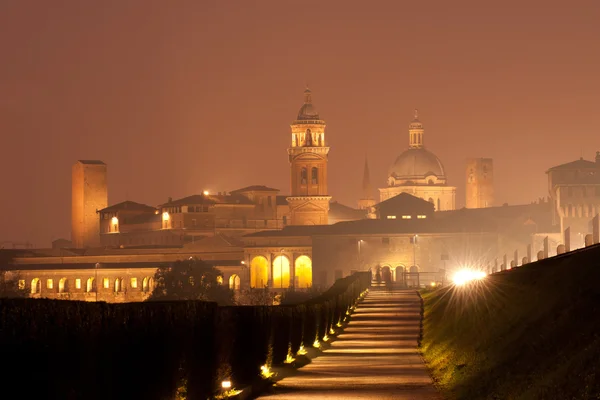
(281, 272)
(308, 138)
(62, 286)
(259, 272)
(35, 285)
(431, 201)
(234, 282)
(314, 176)
(303, 176)
(303, 272)
(90, 286)
(438, 205)
(118, 285)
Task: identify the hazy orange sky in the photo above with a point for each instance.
(181, 96)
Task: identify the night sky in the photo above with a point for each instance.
(178, 97)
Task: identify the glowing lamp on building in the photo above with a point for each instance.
(226, 384)
(206, 193)
(166, 216)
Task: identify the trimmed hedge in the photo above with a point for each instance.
(78, 350)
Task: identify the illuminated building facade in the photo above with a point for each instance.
(419, 172)
(394, 248)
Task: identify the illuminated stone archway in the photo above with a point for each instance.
(234, 282)
(303, 273)
(400, 273)
(35, 285)
(62, 285)
(281, 272)
(375, 273)
(90, 285)
(386, 274)
(259, 272)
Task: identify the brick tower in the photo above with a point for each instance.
(89, 194)
(309, 200)
(480, 183)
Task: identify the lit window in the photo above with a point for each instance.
(49, 284)
(421, 216)
(21, 284)
(106, 283)
(391, 217)
(77, 283)
(134, 283)
(406, 217)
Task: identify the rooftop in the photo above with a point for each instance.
(233, 198)
(129, 206)
(450, 224)
(577, 164)
(92, 162)
(255, 188)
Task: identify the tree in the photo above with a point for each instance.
(191, 279)
(9, 285)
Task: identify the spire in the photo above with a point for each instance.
(416, 115)
(366, 183)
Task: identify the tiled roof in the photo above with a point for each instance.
(255, 188)
(341, 211)
(387, 227)
(405, 199)
(123, 265)
(578, 164)
(209, 199)
(130, 206)
(508, 217)
(92, 162)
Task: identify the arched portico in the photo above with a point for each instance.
(386, 274)
(281, 272)
(234, 282)
(35, 285)
(400, 273)
(259, 272)
(303, 272)
(62, 286)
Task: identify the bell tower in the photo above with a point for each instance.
(309, 200)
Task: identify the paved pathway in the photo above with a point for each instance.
(375, 357)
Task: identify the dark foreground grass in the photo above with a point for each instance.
(529, 333)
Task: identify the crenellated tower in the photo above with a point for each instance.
(309, 200)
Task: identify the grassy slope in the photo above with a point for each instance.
(529, 333)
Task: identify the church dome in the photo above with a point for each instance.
(308, 111)
(417, 164)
